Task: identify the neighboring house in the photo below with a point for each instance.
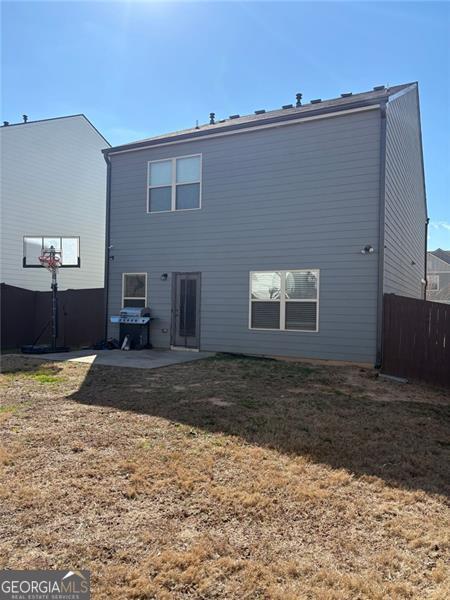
(438, 276)
(52, 192)
(275, 233)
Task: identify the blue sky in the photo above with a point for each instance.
(138, 68)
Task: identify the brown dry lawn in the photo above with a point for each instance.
(226, 478)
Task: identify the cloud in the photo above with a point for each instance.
(440, 225)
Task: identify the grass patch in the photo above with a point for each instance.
(8, 408)
(43, 374)
(45, 378)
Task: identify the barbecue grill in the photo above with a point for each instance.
(135, 323)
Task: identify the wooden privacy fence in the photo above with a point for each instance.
(416, 339)
(26, 313)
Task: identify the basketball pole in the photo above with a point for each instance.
(54, 288)
(51, 261)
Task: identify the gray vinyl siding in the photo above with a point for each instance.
(292, 197)
(405, 214)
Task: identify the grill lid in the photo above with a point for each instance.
(132, 314)
(135, 311)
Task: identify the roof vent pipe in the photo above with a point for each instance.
(316, 101)
(25, 118)
(5, 123)
(260, 112)
(377, 88)
(287, 106)
(347, 95)
(298, 97)
(212, 117)
(234, 116)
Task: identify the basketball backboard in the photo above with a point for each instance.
(67, 248)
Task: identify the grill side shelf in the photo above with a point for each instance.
(131, 320)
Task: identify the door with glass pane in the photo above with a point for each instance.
(186, 310)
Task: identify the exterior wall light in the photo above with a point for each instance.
(367, 249)
(164, 277)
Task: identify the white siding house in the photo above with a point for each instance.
(53, 179)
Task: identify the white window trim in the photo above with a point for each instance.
(173, 184)
(282, 301)
(133, 297)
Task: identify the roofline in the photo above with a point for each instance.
(221, 130)
(59, 119)
(241, 128)
(421, 151)
(432, 252)
(95, 128)
(414, 86)
(407, 88)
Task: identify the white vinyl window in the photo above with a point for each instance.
(433, 283)
(134, 289)
(174, 184)
(285, 300)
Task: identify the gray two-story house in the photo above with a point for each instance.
(275, 233)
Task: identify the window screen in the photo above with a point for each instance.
(301, 315)
(266, 315)
(134, 289)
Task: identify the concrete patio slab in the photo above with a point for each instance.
(134, 359)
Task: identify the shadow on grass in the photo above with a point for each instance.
(295, 409)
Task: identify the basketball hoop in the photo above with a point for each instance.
(50, 260)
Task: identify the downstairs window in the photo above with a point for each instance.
(134, 290)
(285, 300)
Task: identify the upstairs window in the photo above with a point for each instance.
(433, 283)
(174, 184)
(285, 300)
(134, 290)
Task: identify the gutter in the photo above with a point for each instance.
(107, 238)
(381, 228)
(427, 218)
(425, 266)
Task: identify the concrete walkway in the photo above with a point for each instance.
(135, 359)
